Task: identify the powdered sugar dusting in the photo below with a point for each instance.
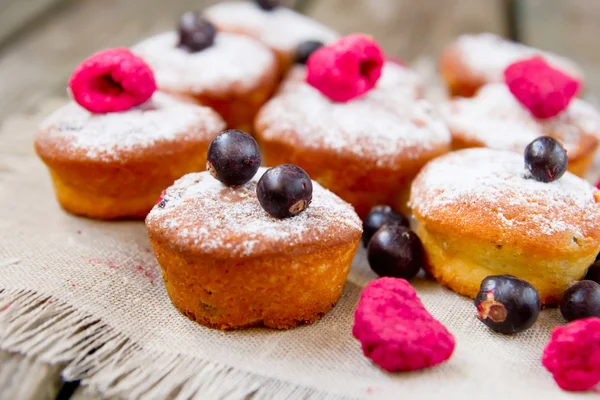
(281, 29)
(233, 62)
(108, 136)
(488, 55)
(496, 119)
(379, 126)
(202, 213)
(497, 180)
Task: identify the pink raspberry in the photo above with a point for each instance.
(346, 69)
(112, 80)
(543, 90)
(573, 355)
(395, 329)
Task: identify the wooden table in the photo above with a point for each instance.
(42, 40)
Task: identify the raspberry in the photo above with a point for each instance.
(346, 69)
(573, 355)
(112, 80)
(396, 331)
(543, 90)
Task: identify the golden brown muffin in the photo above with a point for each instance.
(494, 118)
(235, 76)
(281, 29)
(366, 150)
(116, 165)
(478, 213)
(476, 59)
(228, 264)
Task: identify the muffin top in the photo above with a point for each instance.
(282, 29)
(488, 55)
(495, 118)
(487, 194)
(151, 129)
(233, 64)
(385, 125)
(199, 215)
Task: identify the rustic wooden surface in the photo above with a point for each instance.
(17, 14)
(407, 28)
(36, 62)
(569, 27)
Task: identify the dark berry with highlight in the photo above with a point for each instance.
(581, 300)
(379, 216)
(507, 304)
(546, 159)
(233, 157)
(395, 251)
(284, 191)
(196, 33)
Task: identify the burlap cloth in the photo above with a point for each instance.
(90, 293)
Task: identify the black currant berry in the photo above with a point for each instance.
(233, 157)
(507, 304)
(379, 216)
(593, 273)
(396, 251)
(581, 300)
(284, 191)
(305, 49)
(196, 33)
(268, 5)
(546, 159)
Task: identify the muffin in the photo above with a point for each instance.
(473, 60)
(366, 148)
(479, 213)
(116, 164)
(278, 27)
(494, 118)
(233, 74)
(228, 264)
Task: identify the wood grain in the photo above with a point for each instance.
(40, 61)
(568, 27)
(15, 14)
(409, 29)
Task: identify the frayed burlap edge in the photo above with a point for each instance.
(108, 362)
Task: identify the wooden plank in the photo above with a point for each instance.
(37, 64)
(15, 14)
(410, 29)
(567, 27)
(26, 378)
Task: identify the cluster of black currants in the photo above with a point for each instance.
(392, 248)
(510, 305)
(234, 158)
